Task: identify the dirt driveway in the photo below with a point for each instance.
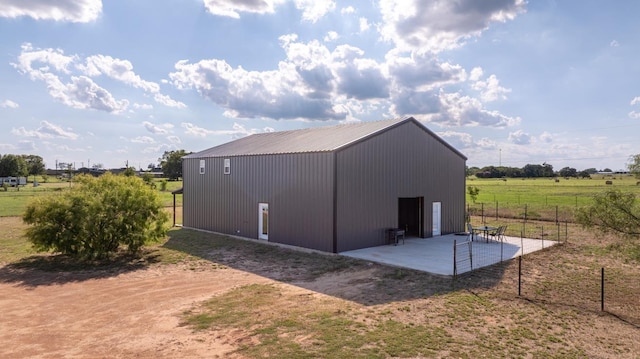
(131, 315)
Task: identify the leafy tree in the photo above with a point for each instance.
(129, 172)
(473, 192)
(568, 172)
(171, 163)
(95, 218)
(612, 211)
(13, 166)
(634, 165)
(584, 174)
(35, 165)
(591, 170)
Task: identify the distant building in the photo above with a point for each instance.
(332, 189)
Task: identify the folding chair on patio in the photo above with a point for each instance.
(470, 231)
(498, 235)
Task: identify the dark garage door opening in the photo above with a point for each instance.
(410, 216)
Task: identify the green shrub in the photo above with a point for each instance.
(163, 185)
(96, 216)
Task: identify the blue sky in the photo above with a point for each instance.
(506, 82)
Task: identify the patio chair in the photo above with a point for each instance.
(498, 234)
(470, 231)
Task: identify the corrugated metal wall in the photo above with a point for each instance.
(297, 187)
(404, 161)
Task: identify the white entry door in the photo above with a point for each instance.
(263, 221)
(437, 219)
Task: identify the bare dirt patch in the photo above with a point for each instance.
(136, 314)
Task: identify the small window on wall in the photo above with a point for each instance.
(227, 166)
(201, 167)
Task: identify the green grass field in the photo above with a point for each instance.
(542, 196)
(14, 201)
(565, 192)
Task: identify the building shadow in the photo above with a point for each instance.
(361, 281)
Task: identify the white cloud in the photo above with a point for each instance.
(433, 26)
(519, 137)
(458, 140)
(80, 92)
(316, 83)
(546, 137)
(117, 69)
(60, 10)
(51, 66)
(142, 106)
(422, 72)
(174, 139)
(168, 101)
(451, 110)
(312, 10)
(364, 24)
(490, 89)
(46, 130)
(476, 74)
(634, 115)
(614, 43)
(486, 144)
(232, 8)
(347, 10)
(143, 139)
(635, 101)
(330, 36)
(299, 88)
(9, 104)
(157, 129)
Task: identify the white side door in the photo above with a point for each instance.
(437, 219)
(263, 221)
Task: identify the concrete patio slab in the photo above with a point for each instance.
(435, 255)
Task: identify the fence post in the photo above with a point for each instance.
(556, 214)
(471, 254)
(455, 271)
(524, 224)
(566, 231)
(482, 211)
(496, 210)
(521, 244)
(542, 235)
(602, 289)
(519, 275)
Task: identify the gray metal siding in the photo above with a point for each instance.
(297, 187)
(404, 161)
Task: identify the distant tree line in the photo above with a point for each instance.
(544, 170)
(21, 165)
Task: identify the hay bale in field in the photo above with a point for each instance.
(609, 182)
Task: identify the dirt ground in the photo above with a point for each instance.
(137, 313)
(132, 315)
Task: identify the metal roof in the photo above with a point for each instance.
(317, 139)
